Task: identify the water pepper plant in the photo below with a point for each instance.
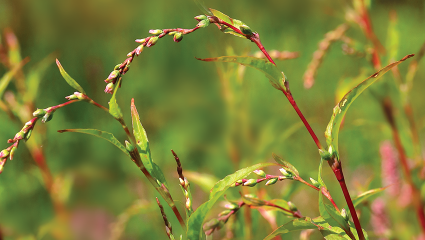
(331, 221)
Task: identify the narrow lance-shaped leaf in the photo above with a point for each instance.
(114, 109)
(277, 78)
(143, 145)
(5, 80)
(234, 22)
(194, 224)
(341, 108)
(333, 217)
(294, 225)
(364, 196)
(101, 134)
(286, 165)
(331, 232)
(319, 178)
(69, 79)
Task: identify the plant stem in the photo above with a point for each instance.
(417, 202)
(337, 169)
(291, 100)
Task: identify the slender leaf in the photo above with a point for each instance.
(35, 76)
(341, 108)
(332, 232)
(69, 79)
(234, 22)
(5, 80)
(364, 196)
(277, 78)
(143, 146)
(114, 109)
(194, 224)
(333, 217)
(286, 165)
(319, 178)
(102, 134)
(294, 225)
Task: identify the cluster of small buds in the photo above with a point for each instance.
(203, 21)
(77, 96)
(184, 183)
(271, 179)
(23, 134)
(319, 54)
(122, 68)
(217, 223)
(168, 227)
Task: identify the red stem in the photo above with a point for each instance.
(337, 169)
(306, 124)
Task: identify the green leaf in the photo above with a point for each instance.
(364, 196)
(332, 232)
(69, 79)
(7, 77)
(114, 109)
(294, 225)
(253, 201)
(281, 203)
(234, 22)
(143, 146)
(319, 178)
(35, 76)
(333, 217)
(341, 108)
(277, 78)
(286, 165)
(102, 134)
(194, 224)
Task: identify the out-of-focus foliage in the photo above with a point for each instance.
(218, 117)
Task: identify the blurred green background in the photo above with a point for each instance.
(183, 106)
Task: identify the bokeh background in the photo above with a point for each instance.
(217, 117)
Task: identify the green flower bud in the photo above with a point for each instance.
(286, 173)
(117, 67)
(225, 212)
(143, 40)
(231, 206)
(4, 153)
(39, 113)
(245, 29)
(203, 23)
(271, 181)
(155, 31)
(292, 207)
(213, 223)
(239, 181)
(28, 134)
(129, 146)
(325, 155)
(315, 183)
(2, 162)
(20, 135)
(114, 75)
(12, 152)
(152, 41)
(344, 214)
(201, 17)
(47, 117)
(139, 50)
(178, 37)
(260, 173)
(250, 183)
